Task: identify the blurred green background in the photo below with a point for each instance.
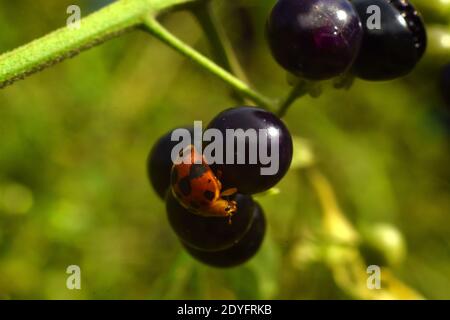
(74, 141)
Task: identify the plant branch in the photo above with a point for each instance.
(65, 42)
(156, 29)
(105, 24)
(299, 90)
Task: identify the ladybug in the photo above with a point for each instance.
(198, 189)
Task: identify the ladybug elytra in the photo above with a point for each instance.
(198, 189)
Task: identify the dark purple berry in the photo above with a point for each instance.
(250, 177)
(314, 39)
(240, 252)
(210, 233)
(393, 49)
(159, 163)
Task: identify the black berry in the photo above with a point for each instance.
(210, 233)
(240, 252)
(159, 163)
(393, 49)
(248, 177)
(314, 39)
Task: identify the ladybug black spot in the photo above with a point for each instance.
(208, 195)
(197, 170)
(185, 186)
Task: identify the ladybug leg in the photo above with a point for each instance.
(228, 192)
(233, 205)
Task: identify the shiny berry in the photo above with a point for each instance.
(240, 252)
(314, 39)
(159, 163)
(391, 49)
(259, 132)
(210, 233)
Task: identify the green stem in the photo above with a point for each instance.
(65, 42)
(155, 28)
(299, 90)
(100, 26)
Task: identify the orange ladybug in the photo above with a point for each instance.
(196, 187)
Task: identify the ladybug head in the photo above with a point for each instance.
(231, 208)
(223, 208)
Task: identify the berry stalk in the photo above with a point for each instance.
(157, 30)
(299, 90)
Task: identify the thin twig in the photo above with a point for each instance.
(156, 29)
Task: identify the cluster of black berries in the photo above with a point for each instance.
(314, 40)
(371, 39)
(222, 241)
